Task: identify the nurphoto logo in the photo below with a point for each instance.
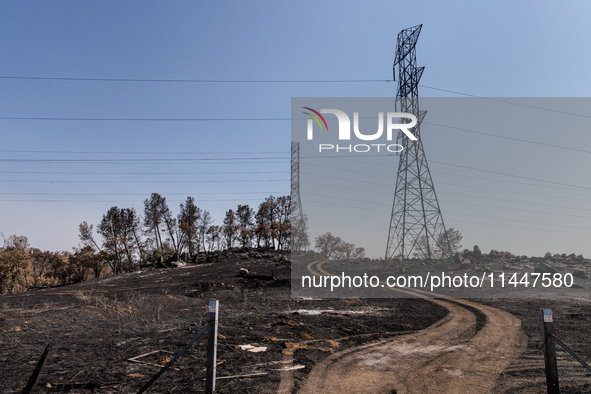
(345, 130)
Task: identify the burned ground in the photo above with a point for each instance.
(96, 326)
(571, 325)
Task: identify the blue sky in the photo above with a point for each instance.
(489, 49)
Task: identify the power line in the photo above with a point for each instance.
(285, 172)
(198, 80)
(172, 80)
(506, 102)
(581, 188)
(143, 119)
(151, 182)
(518, 202)
(267, 119)
(509, 138)
(439, 183)
(129, 194)
(514, 192)
(511, 175)
(120, 201)
(347, 179)
(190, 80)
(518, 209)
(480, 223)
(519, 221)
(456, 194)
(347, 199)
(522, 228)
(456, 202)
(506, 181)
(345, 206)
(138, 152)
(155, 162)
(151, 160)
(143, 173)
(456, 213)
(345, 187)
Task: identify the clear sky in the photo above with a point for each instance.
(159, 136)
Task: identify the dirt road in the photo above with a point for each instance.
(451, 356)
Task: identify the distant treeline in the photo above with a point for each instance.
(129, 241)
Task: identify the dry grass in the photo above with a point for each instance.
(85, 296)
(99, 301)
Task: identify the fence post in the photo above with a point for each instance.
(549, 351)
(212, 344)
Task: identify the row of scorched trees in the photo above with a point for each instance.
(128, 240)
(131, 240)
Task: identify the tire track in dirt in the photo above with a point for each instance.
(287, 381)
(447, 357)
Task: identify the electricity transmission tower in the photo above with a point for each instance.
(299, 238)
(416, 223)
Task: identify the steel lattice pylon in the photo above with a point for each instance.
(415, 211)
(299, 239)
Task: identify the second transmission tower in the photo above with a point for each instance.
(299, 237)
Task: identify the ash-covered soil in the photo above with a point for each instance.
(571, 325)
(571, 306)
(96, 326)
